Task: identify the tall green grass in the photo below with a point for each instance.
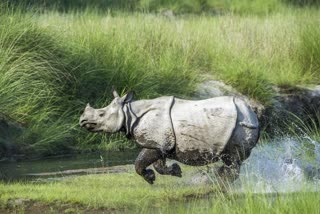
(241, 51)
(53, 63)
(243, 7)
(310, 48)
(47, 77)
(180, 6)
(32, 79)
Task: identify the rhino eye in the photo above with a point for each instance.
(101, 114)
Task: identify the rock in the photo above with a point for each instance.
(299, 100)
(214, 88)
(292, 103)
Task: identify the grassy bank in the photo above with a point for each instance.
(124, 191)
(53, 63)
(127, 192)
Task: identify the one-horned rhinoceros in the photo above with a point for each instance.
(191, 132)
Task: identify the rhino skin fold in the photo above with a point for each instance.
(191, 132)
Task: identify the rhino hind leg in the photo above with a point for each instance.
(145, 158)
(243, 140)
(237, 151)
(161, 167)
(231, 169)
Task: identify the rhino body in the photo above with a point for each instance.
(191, 132)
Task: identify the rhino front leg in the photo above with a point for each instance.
(161, 167)
(145, 158)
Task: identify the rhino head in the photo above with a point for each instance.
(109, 119)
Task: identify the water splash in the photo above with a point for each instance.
(283, 165)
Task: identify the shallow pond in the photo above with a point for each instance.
(55, 166)
(284, 164)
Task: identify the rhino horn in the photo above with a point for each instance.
(88, 105)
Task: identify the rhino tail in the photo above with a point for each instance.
(248, 125)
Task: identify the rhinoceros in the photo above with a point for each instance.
(188, 131)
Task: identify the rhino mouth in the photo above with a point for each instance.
(89, 126)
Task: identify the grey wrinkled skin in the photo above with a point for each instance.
(191, 132)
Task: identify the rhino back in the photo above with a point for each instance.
(202, 128)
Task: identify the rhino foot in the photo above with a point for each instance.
(229, 173)
(176, 170)
(149, 176)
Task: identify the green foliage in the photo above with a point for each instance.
(76, 5)
(303, 3)
(245, 6)
(213, 6)
(177, 6)
(32, 79)
(180, 6)
(47, 77)
(52, 64)
(309, 54)
(251, 82)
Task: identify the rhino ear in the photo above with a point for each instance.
(127, 98)
(114, 92)
(88, 105)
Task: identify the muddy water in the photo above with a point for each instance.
(55, 166)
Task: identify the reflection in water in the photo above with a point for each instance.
(283, 165)
(19, 170)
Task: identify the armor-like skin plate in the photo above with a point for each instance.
(191, 132)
